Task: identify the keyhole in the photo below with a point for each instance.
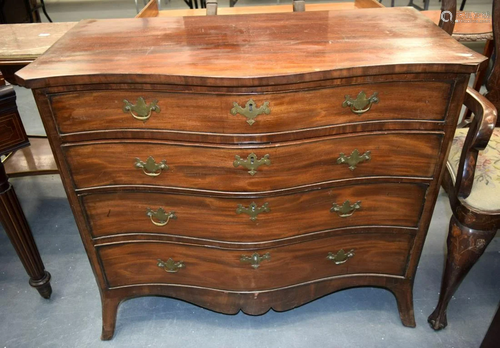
(250, 107)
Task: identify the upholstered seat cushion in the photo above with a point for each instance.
(485, 193)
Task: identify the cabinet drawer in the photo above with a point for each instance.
(287, 215)
(276, 166)
(12, 134)
(139, 263)
(214, 113)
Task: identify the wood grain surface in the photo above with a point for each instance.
(202, 51)
(23, 43)
(102, 110)
(136, 263)
(202, 64)
(209, 167)
(216, 219)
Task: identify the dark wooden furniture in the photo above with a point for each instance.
(470, 181)
(13, 137)
(199, 168)
(22, 11)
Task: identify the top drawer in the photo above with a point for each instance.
(251, 113)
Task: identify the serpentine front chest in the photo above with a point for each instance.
(252, 162)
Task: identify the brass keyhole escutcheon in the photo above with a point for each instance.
(170, 265)
(253, 210)
(255, 259)
(141, 111)
(340, 257)
(250, 111)
(346, 209)
(354, 158)
(160, 217)
(361, 104)
(252, 162)
(150, 167)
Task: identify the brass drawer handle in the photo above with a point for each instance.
(354, 158)
(251, 162)
(150, 167)
(141, 111)
(250, 111)
(346, 209)
(170, 265)
(161, 215)
(340, 257)
(361, 104)
(253, 210)
(255, 259)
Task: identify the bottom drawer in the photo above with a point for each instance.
(146, 262)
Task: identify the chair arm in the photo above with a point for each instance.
(480, 131)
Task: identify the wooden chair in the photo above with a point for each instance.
(472, 181)
(465, 31)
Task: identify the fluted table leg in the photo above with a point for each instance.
(17, 228)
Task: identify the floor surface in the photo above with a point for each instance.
(363, 317)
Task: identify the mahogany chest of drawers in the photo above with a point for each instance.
(252, 162)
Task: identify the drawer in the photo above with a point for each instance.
(275, 166)
(212, 113)
(287, 215)
(141, 263)
(12, 134)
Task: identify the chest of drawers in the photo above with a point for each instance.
(256, 162)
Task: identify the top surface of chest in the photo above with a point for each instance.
(250, 50)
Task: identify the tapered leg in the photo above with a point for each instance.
(403, 291)
(465, 246)
(16, 227)
(109, 311)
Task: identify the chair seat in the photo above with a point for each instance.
(485, 193)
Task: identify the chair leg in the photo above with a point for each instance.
(465, 246)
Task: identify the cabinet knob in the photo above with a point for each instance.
(150, 167)
(161, 215)
(141, 111)
(354, 158)
(361, 104)
(170, 265)
(346, 209)
(340, 257)
(250, 111)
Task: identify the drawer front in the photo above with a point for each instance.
(216, 113)
(273, 217)
(12, 134)
(140, 263)
(243, 169)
